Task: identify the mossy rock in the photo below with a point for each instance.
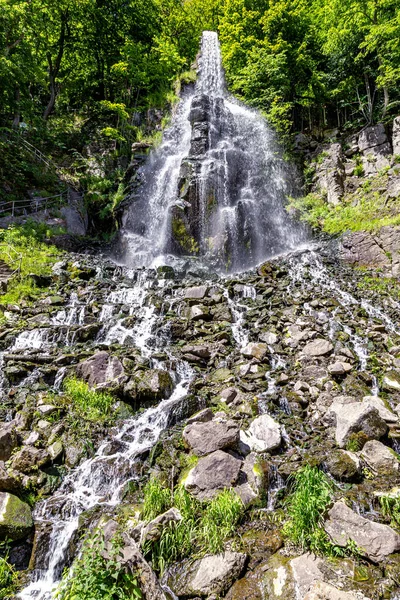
(15, 518)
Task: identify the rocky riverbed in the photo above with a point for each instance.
(219, 383)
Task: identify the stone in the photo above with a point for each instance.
(325, 591)
(15, 518)
(318, 347)
(342, 465)
(357, 417)
(306, 570)
(380, 458)
(196, 293)
(374, 540)
(360, 248)
(29, 459)
(396, 136)
(340, 368)
(263, 435)
(150, 386)
(384, 412)
(153, 530)
(32, 438)
(204, 438)
(8, 440)
(200, 351)
(255, 350)
(229, 394)
(101, 368)
(331, 174)
(391, 381)
(9, 482)
(371, 137)
(46, 409)
(198, 312)
(203, 416)
(212, 474)
(56, 450)
(255, 474)
(269, 338)
(213, 574)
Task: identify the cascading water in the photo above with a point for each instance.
(216, 187)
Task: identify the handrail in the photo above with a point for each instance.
(34, 205)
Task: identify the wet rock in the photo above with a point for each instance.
(29, 459)
(204, 438)
(8, 440)
(255, 350)
(213, 473)
(15, 518)
(100, 369)
(203, 416)
(199, 351)
(357, 417)
(342, 465)
(198, 312)
(213, 574)
(149, 386)
(196, 293)
(380, 458)
(374, 540)
(255, 475)
(318, 347)
(263, 435)
(324, 591)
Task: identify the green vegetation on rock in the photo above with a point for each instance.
(90, 405)
(8, 580)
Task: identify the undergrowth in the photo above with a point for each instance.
(24, 246)
(99, 575)
(204, 527)
(8, 579)
(390, 507)
(88, 404)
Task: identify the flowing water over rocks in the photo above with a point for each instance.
(216, 187)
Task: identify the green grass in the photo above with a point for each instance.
(8, 580)
(25, 246)
(99, 576)
(204, 528)
(390, 507)
(381, 285)
(311, 494)
(88, 404)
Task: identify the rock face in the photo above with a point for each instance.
(263, 435)
(356, 417)
(204, 438)
(15, 518)
(396, 136)
(331, 174)
(374, 540)
(100, 369)
(212, 474)
(212, 574)
(379, 250)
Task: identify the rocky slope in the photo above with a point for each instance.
(297, 363)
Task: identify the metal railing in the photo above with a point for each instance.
(12, 207)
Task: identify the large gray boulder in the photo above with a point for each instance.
(263, 435)
(355, 417)
(325, 591)
(196, 293)
(15, 518)
(256, 350)
(374, 540)
(30, 459)
(204, 438)
(372, 137)
(380, 458)
(318, 347)
(100, 369)
(212, 474)
(383, 409)
(149, 386)
(9, 482)
(213, 574)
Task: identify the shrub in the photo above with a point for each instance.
(8, 580)
(99, 575)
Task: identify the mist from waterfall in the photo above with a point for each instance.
(217, 185)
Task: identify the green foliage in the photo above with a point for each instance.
(356, 442)
(311, 494)
(204, 527)
(390, 507)
(98, 574)
(8, 579)
(24, 249)
(88, 404)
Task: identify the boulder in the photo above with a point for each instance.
(325, 591)
(391, 381)
(374, 540)
(396, 136)
(15, 518)
(100, 369)
(306, 570)
(342, 465)
(253, 479)
(384, 411)
(373, 136)
(29, 459)
(212, 474)
(199, 351)
(196, 293)
(256, 350)
(331, 174)
(356, 417)
(56, 450)
(338, 369)
(199, 312)
(263, 435)
(380, 458)
(213, 574)
(149, 386)
(318, 347)
(269, 338)
(203, 416)
(8, 440)
(8, 481)
(204, 438)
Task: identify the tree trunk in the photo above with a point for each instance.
(55, 68)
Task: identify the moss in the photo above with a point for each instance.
(182, 237)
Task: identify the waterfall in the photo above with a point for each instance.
(217, 185)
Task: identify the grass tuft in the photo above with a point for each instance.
(89, 404)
